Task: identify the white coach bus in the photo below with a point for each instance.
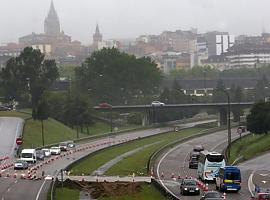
(209, 165)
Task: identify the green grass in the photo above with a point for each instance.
(249, 147)
(66, 193)
(14, 114)
(94, 161)
(148, 192)
(136, 163)
(54, 132)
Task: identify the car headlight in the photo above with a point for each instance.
(185, 188)
(197, 189)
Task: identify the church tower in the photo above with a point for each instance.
(52, 24)
(97, 37)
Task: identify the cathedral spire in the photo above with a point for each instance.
(52, 9)
(97, 37)
(97, 30)
(52, 24)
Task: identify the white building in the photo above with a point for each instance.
(248, 55)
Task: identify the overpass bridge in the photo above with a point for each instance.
(150, 110)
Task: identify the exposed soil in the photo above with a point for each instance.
(105, 189)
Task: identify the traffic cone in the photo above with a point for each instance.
(162, 175)
(206, 187)
(15, 175)
(224, 195)
(172, 176)
(179, 177)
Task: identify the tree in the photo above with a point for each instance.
(29, 73)
(78, 113)
(41, 113)
(116, 77)
(262, 89)
(236, 96)
(258, 121)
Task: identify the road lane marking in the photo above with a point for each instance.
(159, 175)
(40, 189)
(250, 183)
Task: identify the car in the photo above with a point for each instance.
(40, 154)
(157, 103)
(20, 164)
(104, 105)
(63, 146)
(198, 148)
(261, 196)
(189, 186)
(55, 150)
(47, 152)
(212, 195)
(193, 163)
(71, 144)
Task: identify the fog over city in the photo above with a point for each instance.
(131, 18)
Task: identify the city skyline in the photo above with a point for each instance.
(130, 18)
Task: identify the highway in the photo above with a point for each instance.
(176, 161)
(14, 188)
(10, 129)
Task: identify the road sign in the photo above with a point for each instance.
(19, 141)
(239, 130)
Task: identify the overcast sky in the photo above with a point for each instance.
(131, 18)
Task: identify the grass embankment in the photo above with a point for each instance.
(147, 191)
(136, 163)
(249, 147)
(54, 131)
(67, 193)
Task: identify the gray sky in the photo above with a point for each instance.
(131, 18)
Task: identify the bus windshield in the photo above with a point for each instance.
(215, 158)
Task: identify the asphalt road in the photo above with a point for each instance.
(10, 129)
(176, 161)
(37, 190)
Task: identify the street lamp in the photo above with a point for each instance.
(228, 121)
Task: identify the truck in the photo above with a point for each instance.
(29, 155)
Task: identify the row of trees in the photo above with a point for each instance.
(211, 73)
(107, 75)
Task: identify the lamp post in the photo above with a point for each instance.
(228, 120)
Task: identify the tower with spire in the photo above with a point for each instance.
(97, 38)
(52, 24)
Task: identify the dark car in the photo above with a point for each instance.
(212, 195)
(189, 186)
(40, 155)
(198, 148)
(261, 196)
(193, 163)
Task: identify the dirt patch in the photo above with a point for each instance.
(105, 189)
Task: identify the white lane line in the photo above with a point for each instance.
(40, 189)
(159, 175)
(250, 183)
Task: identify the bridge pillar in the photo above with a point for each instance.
(222, 117)
(145, 119)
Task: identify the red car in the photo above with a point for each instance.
(261, 196)
(105, 105)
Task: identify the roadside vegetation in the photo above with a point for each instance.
(258, 142)
(94, 161)
(249, 147)
(67, 193)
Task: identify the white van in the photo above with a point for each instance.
(29, 155)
